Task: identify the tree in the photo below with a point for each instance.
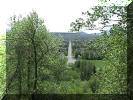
(31, 49)
(111, 44)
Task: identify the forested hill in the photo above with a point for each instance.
(76, 36)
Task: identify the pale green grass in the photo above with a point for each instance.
(100, 64)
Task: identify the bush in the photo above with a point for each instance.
(76, 54)
(69, 74)
(77, 64)
(71, 87)
(87, 69)
(92, 85)
(92, 55)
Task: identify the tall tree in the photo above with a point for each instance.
(30, 49)
(112, 45)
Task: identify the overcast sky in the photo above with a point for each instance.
(57, 14)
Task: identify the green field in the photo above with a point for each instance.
(100, 64)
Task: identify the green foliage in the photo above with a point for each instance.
(113, 46)
(64, 87)
(36, 61)
(77, 24)
(35, 65)
(87, 69)
(69, 75)
(101, 14)
(32, 55)
(114, 2)
(92, 85)
(77, 64)
(91, 54)
(2, 65)
(110, 45)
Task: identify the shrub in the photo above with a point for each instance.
(69, 75)
(77, 64)
(92, 85)
(91, 55)
(87, 69)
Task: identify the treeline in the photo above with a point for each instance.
(32, 57)
(35, 63)
(110, 46)
(81, 50)
(84, 50)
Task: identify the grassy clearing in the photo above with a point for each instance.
(100, 64)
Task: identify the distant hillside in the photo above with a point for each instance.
(75, 36)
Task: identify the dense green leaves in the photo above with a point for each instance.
(32, 55)
(111, 45)
(37, 63)
(2, 65)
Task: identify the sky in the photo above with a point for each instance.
(57, 14)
